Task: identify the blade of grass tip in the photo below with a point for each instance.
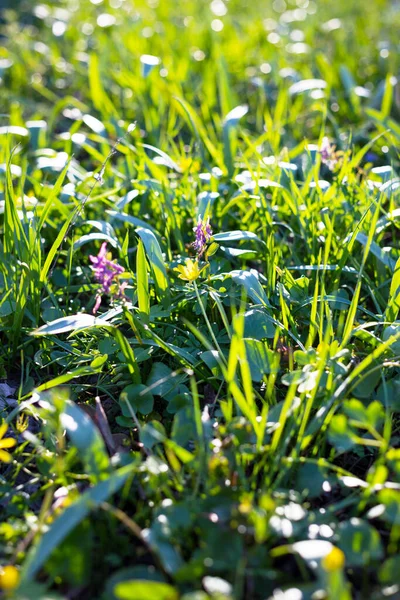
(210, 329)
(349, 248)
(323, 355)
(197, 412)
(287, 403)
(99, 97)
(142, 278)
(200, 133)
(393, 306)
(156, 262)
(51, 259)
(237, 355)
(128, 353)
(245, 374)
(354, 303)
(50, 199)
(233, 387)
(313, 328)
(262, 423)
(13, 232)
(222, 311)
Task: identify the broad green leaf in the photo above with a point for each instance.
(91, 237)
(139, 397)
(144, 590)
(167, 159)
(249, 280)
(87, 439)
(360, 542)
(129, 219)
(307, 85)
(258, 325)
(162, 380)
(71, 323)
(236, 236)
(261, 360)
(389, 572)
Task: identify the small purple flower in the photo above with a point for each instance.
(106, 273)
(328, 154)
(203, 233)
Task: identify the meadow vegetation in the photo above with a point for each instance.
(199, 300)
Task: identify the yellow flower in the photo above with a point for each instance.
(9, 578)
(5, 443)
(334, 561)
(190, 271)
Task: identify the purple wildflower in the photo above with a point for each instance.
(106, 273)
(203, 233)
(328, 154)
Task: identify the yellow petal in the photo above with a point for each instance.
(334, 561)
(5, 456)
(3, 429)
(9, 578)
(8, 443)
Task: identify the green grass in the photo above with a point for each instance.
(235, 435)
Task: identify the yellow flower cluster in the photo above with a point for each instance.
(5, 443)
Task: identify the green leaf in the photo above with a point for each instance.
(139, 572)
(128, 353)
(340, 434)
(249, 280)
(236, 236)
(70, 323)
(142, 283)
(144, 590)
(391, 501)
(390, 331)
(261, 360)
(131, 220)
(139, 397)
(373, 414)
(86, 438)
(156, 262)
(152, 433)
(162, 380)
(389, 572)
(360, 542)
(393, 306)
(258, 325)
(69, 519)
(231, 122)
(167, 159)
(210, 357)
(307, 85)
(99, 97)
(380, 254)
(91, 237)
